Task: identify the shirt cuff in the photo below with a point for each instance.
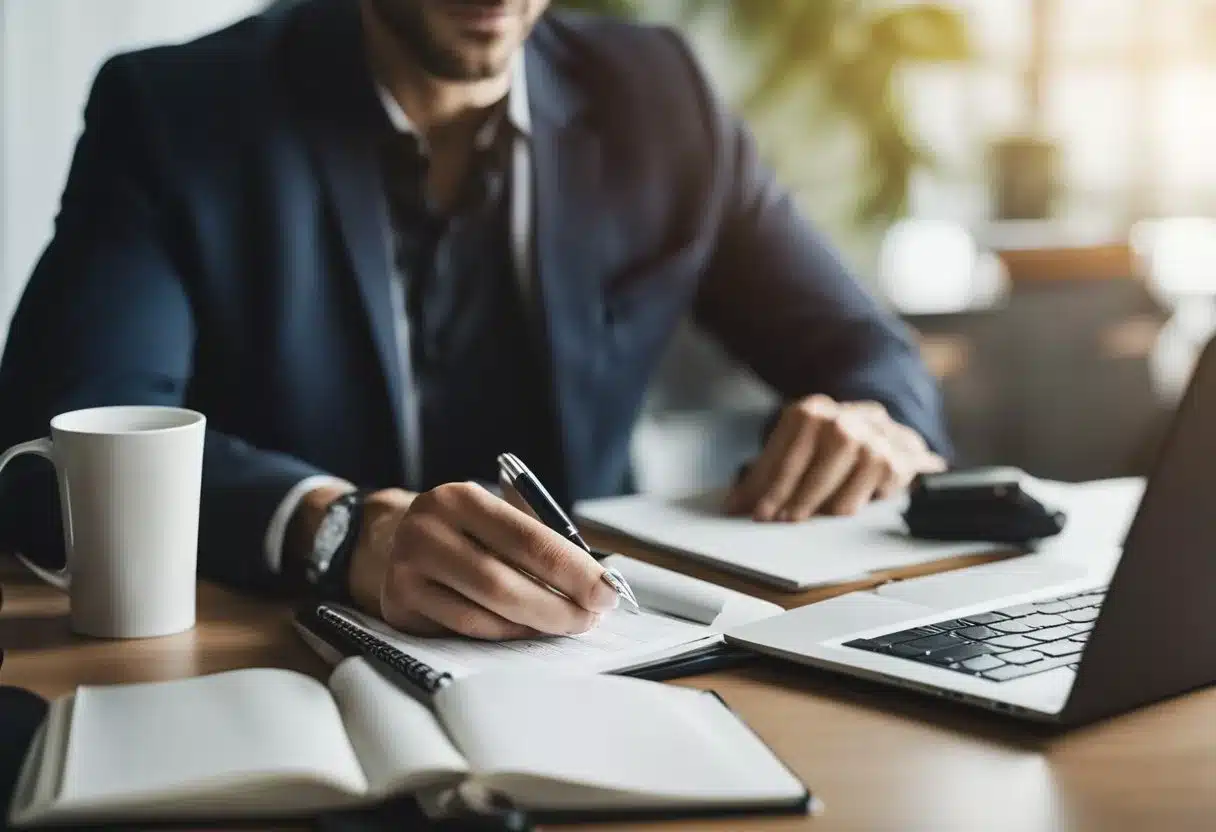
(276, 531)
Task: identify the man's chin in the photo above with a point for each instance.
(464, 68)
(457, 41)
(471, 63)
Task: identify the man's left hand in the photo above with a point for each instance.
(832, 458)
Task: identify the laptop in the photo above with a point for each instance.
(1067, 651)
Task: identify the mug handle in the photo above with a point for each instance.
(60, 579)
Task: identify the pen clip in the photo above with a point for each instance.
(510, 467)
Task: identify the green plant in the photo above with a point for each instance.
(820, 62)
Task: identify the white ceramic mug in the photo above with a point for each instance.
(129, 484)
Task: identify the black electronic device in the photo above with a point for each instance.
(1002, 505)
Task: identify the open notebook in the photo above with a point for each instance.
(266, 742)
(680, 615)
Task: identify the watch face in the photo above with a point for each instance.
(334, 528)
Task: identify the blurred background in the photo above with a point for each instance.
(1031, 184)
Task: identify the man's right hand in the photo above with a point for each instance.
(457, 559)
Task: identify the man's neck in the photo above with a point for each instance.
(435, 106)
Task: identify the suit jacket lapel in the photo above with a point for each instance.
(344, 124)
(353, 181)
(568, 168)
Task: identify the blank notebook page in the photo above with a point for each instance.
(622, 734)
(162, 739)
(398, 740)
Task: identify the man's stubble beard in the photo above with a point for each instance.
(406, 23)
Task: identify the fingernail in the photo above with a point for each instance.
(764, 511)
(604, 597)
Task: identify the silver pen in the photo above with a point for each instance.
(525, 483)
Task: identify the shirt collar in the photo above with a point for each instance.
(518, 112)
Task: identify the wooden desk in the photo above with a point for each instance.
(879, 759)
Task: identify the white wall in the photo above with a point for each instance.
(49, 53)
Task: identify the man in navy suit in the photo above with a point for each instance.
(379, 242)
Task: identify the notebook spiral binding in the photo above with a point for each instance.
(417, 672)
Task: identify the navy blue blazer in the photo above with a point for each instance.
(221, 245)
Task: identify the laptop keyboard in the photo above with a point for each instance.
(1001, 645)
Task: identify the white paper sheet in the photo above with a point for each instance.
(823, 550)
(1100, 514)
(635, 743)
(827, 550)
(620, 641)
(701, 602)
(172, 748)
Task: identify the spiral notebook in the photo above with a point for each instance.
(265, 742)
(680, 617)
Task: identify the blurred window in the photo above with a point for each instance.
(1125, 88)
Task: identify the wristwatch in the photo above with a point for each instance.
(328, 563)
